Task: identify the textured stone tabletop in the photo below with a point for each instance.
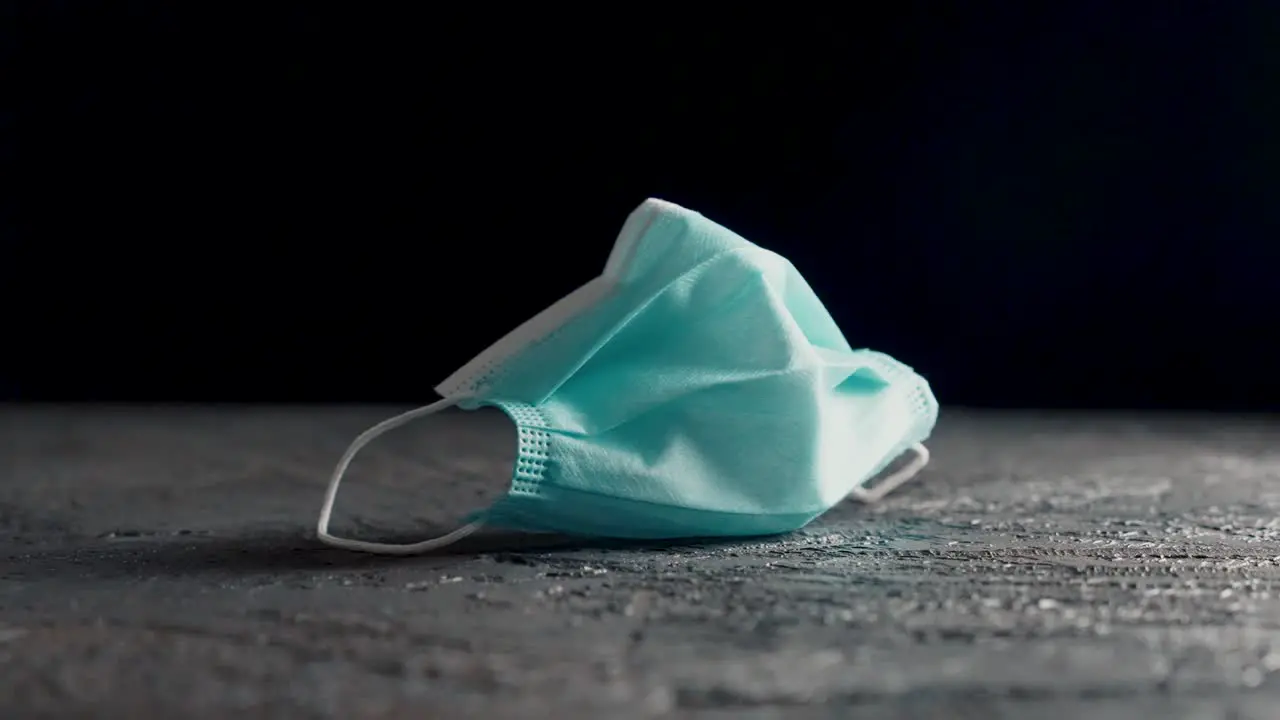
(159, 562)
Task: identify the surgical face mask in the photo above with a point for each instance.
(697, 388)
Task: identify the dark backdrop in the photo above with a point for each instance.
(1035, 204)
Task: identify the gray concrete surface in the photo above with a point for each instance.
(157, 562)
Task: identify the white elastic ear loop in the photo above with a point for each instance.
(322, 527)
(887, 485)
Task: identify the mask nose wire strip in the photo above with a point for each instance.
(322, 526)
(886, 486)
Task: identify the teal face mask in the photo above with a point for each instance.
(697, 388)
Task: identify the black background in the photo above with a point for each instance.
(1059, 204)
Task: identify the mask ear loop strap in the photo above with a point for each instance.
(887, 485)
(322, 527)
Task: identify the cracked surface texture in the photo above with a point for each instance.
(159, 561)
